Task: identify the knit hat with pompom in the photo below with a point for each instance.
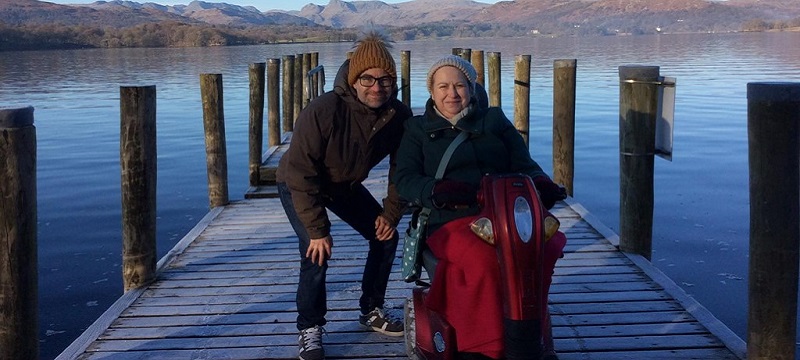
(371, 51)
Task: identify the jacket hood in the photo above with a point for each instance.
(340, 85)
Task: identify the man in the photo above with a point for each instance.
(338, 138)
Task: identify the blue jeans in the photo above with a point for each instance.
(359, 209)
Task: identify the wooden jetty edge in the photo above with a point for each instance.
(227, 291)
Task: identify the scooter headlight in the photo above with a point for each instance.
(551, 225)
(523, 219)
(483, 228)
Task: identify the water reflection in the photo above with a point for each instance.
(701, 213)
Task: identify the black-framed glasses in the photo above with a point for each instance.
(368, 81)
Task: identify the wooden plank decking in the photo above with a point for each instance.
(227, 291)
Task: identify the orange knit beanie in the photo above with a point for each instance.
(372, 51)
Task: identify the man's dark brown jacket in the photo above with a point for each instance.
(336, 141)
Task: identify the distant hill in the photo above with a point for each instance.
(210, 13)
(346, 14)
(554, 16)
(32, 12)
(625, 16)
(32, 24)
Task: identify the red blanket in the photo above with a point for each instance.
(466, 288)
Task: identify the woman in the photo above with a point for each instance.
(469, 298)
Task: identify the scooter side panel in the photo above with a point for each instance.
(436, 339)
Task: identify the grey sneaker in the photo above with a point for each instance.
(311, 343)
(385, 321)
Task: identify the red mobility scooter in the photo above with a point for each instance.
(515, 222)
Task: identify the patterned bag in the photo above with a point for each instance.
(413, 245)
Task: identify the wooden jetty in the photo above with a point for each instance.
(227, 291)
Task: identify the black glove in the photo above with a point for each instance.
(451, 194)
(549, 192)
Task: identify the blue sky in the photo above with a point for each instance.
(263, 5)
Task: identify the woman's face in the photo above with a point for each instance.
(450, 91)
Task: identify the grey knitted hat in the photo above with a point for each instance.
(458, 63)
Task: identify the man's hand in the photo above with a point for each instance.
(319, 251)
(383, 229)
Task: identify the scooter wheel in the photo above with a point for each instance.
(410, 330)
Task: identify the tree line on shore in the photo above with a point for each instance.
(177, 34)
(161, 34)
(764, 25)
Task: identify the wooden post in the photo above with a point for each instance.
(316, 83)
(405, 76)
(564, 122)
(773, 128)
(19, 318)
(638, 104)
(306, 81)
(216, 151)
(138, 160)
(522, 95)
(298, 86)
(456, 51)
(494, 78)
(273, 102)
(256, 132)
(288, 93)
(477, 63)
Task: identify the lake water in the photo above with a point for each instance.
(700, 235)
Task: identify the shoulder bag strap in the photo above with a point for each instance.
(443, 163)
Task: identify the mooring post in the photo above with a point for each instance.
(288, 93)
(405, 76)
(315, 87)
(477, 63)
(494, 78)
(19, 318)
(216, 151)
(307, 66)
(298, 86)
(773, 128)
(138, 161)
(273, 102)
(564, 78)
(256, 133)
(522, 96)
(638, 104)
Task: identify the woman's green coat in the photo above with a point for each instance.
(494, 146)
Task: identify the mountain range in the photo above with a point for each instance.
(527, 16)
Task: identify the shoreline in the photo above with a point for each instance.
(70, 46)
